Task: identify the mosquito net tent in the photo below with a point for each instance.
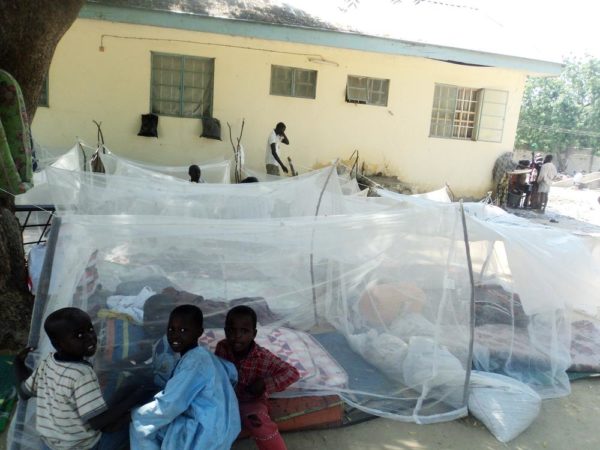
(386, 302)
(217, 171)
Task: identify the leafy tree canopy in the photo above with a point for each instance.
(562, 112)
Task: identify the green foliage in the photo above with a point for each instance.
(562, 112)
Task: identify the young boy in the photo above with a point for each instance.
(197, 408)
(70, 410)
(260, 373)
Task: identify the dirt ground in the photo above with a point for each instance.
(571, 209)
(567, 423)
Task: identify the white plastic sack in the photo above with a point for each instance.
(504, 405)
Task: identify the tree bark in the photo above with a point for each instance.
(15, 300)
(29, 33)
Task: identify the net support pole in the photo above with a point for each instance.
(472, 303)
(312, 241)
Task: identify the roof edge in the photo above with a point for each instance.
(312, 36)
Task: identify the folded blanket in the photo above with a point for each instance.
(585, 346)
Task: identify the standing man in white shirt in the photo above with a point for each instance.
(272, 160)
(547, 174)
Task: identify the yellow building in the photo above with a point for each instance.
(425, 112)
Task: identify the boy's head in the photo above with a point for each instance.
(249, 180)
(185, 327)
(548, 159)
(240, 328)
(280, 128)
(194, 173)
(71, 333)
(156, 312)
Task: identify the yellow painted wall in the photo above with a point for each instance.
(113, 86)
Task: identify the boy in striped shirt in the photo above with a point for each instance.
(71, 412)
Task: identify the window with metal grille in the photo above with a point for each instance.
(182, 86)
(454, 112)
(43, 100)
(367, 91)
(293, 82)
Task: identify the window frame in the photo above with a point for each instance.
(181, 85)
(295, 71)
(489, 114)
(368, 90)
(455, 110)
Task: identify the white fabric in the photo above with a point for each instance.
(132, 305)
(273, 139)
(384, 351)
(547, 173)
(35, 261)
(430, 365)
(505, 406)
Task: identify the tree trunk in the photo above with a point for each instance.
(15, 299)
(29, 33)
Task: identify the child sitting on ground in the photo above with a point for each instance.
(260, 373)
(197, 408)
(71, 412)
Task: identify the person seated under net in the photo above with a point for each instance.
(195, 174)
(197, 409)
(71, 412)
(145, 356)
(260, 373)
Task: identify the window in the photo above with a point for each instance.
(182, 86)
(467, 113)
(368, 91)
(43, 100)
(293, 82)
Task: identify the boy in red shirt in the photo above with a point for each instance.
(260, 373)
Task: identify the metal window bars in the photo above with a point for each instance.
(23, 214)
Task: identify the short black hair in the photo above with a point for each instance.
(249, 180)
(191, 311)
(241, 311)
(548, 159)
(194, 168)
(61, 321)
(280, 125)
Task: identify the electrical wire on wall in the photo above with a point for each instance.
(312, 57)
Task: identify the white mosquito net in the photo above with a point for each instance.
(372, 299)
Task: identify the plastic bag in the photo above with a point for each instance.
(428, 364)
(384, 351)
(504, 405)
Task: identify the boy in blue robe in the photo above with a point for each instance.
(198, 408)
